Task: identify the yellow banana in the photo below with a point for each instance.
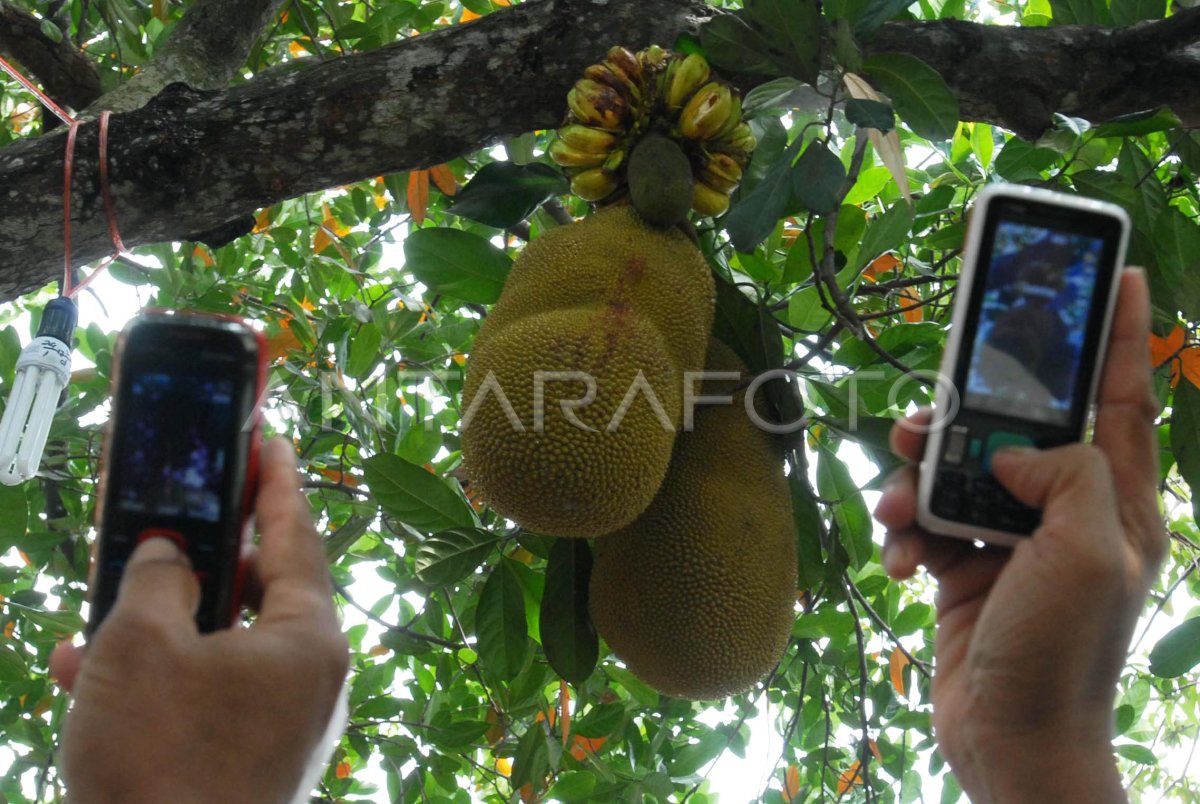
(593, 185)
(687, 76)
(707, 112)
(707, 201)
(587, 139)
(595, 104)
(625, 64)
(721, 172)
(742, 138)
(601, 74)
(562, 153)
(735, 116)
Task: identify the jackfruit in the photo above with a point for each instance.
(697, 596)
(613, 299)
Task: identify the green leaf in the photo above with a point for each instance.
(1019, 161)
(573, 786)
(810, 560)
(459, 734)
(732, 46)
(568, 636)
(1137, 753)
(414, 496)
(806, 310)
(825, 622)
(601, 721)
(1139, 124)
(457, 263)
(849, 510)
(885, 233)
(500, 626)
(14, 516)
(59, 623)
(638, 690)
(364, 350)
(502, 194)
(12, 666)
(780, 93)
(1177, 246)
(691, 758)
(922, 98)
(736, 324)
(876, 14)
(871, 114)
(791, 31)
(913, 617)
(532, 759)
(754, 216)
(447, 557)
(817, 179)
(1127, 12)
(1178, 651)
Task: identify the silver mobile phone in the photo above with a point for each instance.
(1027, 339)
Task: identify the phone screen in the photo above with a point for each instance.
(176, 463)
(1028, 345)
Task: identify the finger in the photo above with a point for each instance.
(290, 566)
(1073, 485)
(908, 434)
(158, 586)
(65, 661)
(1126, 412)
(897, 506)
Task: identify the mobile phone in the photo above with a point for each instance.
(181, 455)
(1027, 339)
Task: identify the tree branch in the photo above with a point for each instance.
(205, 50)
(203, 161)
(1020, 77)
(66, 75)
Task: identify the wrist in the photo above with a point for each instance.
(1064, 768)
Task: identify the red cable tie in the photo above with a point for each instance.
(68, 163)
(42, 96)
(105, 190)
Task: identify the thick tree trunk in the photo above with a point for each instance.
(202, 162)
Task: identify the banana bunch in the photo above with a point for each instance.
(625, 97)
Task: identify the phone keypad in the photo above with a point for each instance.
(980, 500)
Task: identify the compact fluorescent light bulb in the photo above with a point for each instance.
(43, 371)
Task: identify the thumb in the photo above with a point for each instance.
(158, 586)
(1072, 485)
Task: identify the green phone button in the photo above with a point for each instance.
(1001, 439)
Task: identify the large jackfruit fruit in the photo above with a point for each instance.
(697, 596)
(621, 303)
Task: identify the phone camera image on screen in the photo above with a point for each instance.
(1036, 304)
(173, 465)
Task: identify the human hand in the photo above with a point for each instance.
(1031, 642)
(163, 713)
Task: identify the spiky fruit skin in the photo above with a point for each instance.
(697, 596)
(611, 297)
(660, 181)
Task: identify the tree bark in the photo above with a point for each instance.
(195, 161)
(66, 75)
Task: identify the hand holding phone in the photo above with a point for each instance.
(163, 713)
(1027, 338)
(180, 459)
(1031, 641)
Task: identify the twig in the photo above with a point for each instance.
(864, 752)
(862, 601)
(400, 629)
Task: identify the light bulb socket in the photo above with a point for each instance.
(58, 320)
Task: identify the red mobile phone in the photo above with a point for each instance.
(181, 455)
